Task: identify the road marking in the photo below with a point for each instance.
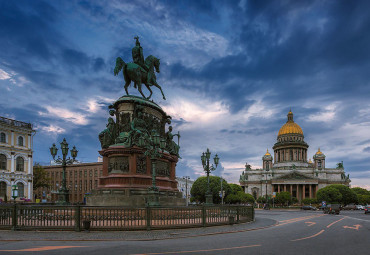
(308, 237)
(357, 218)
(210, 250)
(310, 223)
(298, 219)
(331, 224)
(354, 226)
(46, 248)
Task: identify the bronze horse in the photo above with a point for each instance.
(137, 74)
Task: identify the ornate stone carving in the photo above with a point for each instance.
(162, 168)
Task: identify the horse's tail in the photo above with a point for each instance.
(119, 65)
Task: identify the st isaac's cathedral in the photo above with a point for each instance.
(289, 169)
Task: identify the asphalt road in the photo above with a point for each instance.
(295, 232)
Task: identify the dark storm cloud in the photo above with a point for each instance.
(367, 149)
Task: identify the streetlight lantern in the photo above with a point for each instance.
(74, 152)
(53, 150)
(207, 168)
(14, 192)
(64, 146)
(216, 159)
(208, 154)
(203, 157)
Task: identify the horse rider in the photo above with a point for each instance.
(138, 56)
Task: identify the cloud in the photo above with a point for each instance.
(53, 129)
(76, 118)
(4, 75)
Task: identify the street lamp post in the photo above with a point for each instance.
(63, 192)
(266, 186)
(156, 144)
(207, 168)
(222, 192)
(186, 189)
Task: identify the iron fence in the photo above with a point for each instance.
(77, 217)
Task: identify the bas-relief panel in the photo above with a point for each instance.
(141, 165)
(118, 165)
(162, 168)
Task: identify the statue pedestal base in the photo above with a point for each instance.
(209, 199)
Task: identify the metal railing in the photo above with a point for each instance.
(77, 217)
(15, 123)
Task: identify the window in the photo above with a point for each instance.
(20, 164)
(20, 141)
(2, 189)
(319, 163)
(90, 173)
(80, 184)
(101, 172)
(85, 173)
(56, 185)
(90, 185)
(20, 189)
(2, 162)
(96, 172)
(85, 185)
(75, 174)
(80, 173)
(2, 138)
(96, 183)
(75, 185)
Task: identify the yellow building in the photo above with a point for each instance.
(16, 140)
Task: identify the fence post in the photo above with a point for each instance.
(148, 217)
(78, 218)
(14, 217)
(204, 216)
(237, 214)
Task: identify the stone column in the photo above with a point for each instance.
(303, 191)
(12, 163)
(297, 193)
(284, 187)
(12, 137)
(290, 189)
(278, 188)
(310, 189)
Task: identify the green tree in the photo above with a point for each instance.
(308, 201)
(361, 191)
(364, 199)
(235, 188)
(261, 200)
(348, 195)
(283, 197)
(199, 188)
(40, 177)
(329, 194)
(239, 198)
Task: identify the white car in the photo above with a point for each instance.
(360, 207)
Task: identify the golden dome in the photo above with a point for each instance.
(318, 152)
(267, 153)
(290, 127)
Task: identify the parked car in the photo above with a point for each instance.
(332, 209)
(350, 207)
(359, 207)
(367, 209)
(308, 207)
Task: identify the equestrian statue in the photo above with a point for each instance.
(140, 71)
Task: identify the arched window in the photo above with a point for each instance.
(2, 162)
(2, 189)
(20, 141)
(20, 189)
(2, 138)
(20, 164)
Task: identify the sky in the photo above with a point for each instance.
(230, 70)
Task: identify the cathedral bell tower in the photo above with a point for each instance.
(319, 160)
(267, 161)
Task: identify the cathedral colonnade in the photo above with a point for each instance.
(300, 191)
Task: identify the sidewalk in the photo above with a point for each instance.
(7, 235)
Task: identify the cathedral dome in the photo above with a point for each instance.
(290, 127)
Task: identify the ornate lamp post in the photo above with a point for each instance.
(63, 192)
(156, 144)
(207, 168)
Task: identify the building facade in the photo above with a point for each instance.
(16, 143)
(80, 179)
(289, 170)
